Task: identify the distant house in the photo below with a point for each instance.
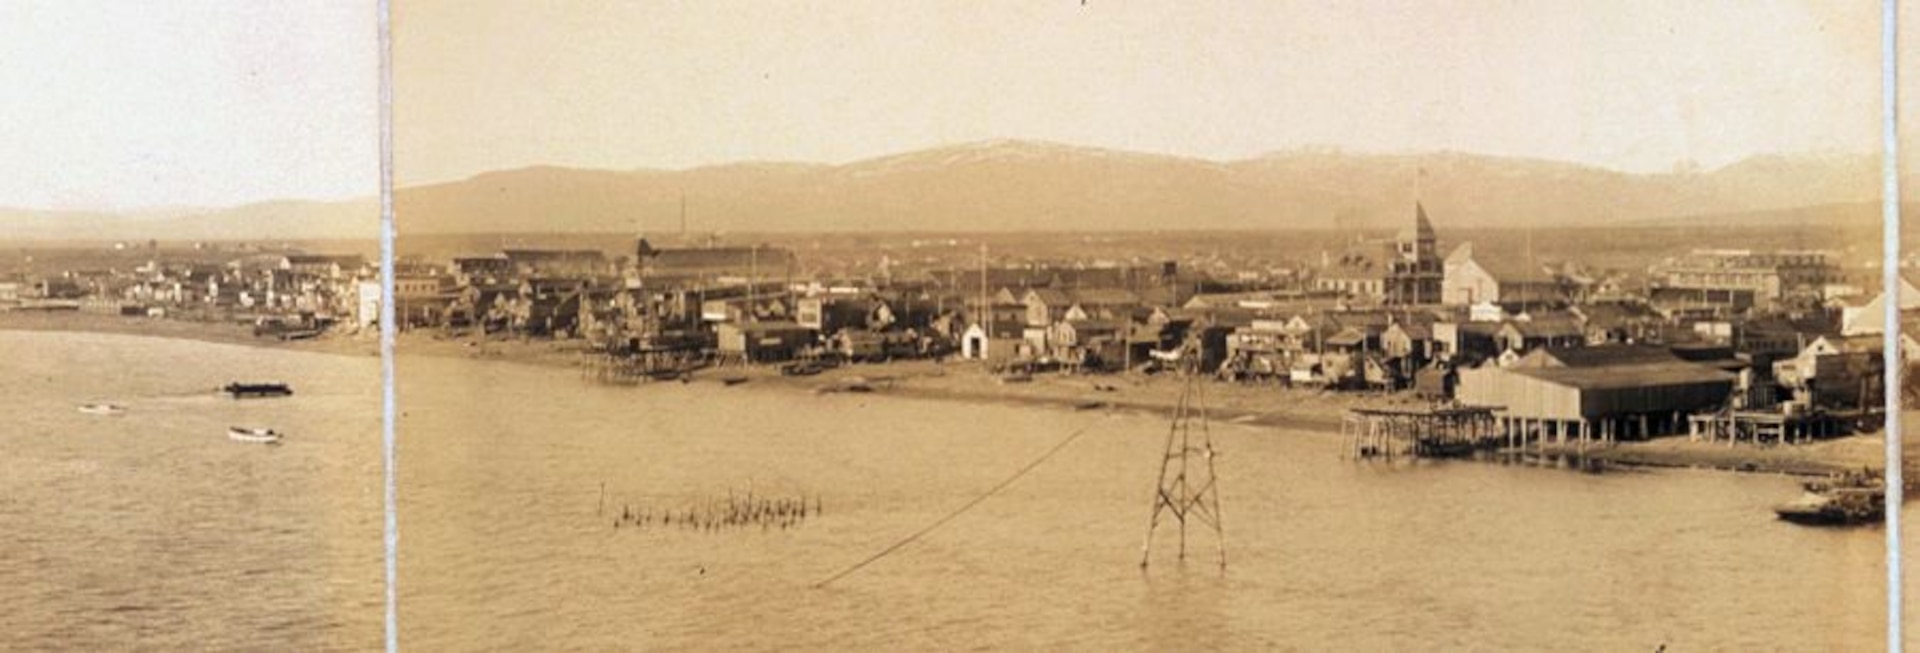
(977, 344)
(1102, 303)
(483, 269)
(1085, 341)
(1509, 281)
(1046, 306)
(762, 342)
(1557, 330)
(1617, 322)
(1869, 317)
(1360, 272)
(832, 314)
(1838, 373)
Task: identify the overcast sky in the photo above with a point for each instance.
(124, 105)
(1633, 85)
(128, 105)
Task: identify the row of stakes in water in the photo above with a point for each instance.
(718, 514)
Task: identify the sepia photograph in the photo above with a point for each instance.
(189, 262)
(1388, 325)
(1093, 325)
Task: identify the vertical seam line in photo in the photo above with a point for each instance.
(387, 403)
(1891, 282)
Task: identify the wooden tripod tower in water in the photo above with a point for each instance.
(1187, 488)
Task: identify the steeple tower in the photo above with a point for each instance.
(1414, 277)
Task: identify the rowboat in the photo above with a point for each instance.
(102, 409)
(254, 435)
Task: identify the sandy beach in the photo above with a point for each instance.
(964, 381)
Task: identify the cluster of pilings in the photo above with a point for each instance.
(724, 513)
(642, 366)
(1433, 432)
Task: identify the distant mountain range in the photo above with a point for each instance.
(1028, 185)
(280, 220)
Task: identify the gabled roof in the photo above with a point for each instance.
(1504, 267)
(1104, 297)
(1854, 344)
(1461, 255)
(1548, 327)
(1597, 356)
(1629, 376)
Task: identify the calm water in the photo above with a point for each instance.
(503, 548)
(151, 530)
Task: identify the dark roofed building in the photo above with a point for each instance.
(558, 262)
(714, 262)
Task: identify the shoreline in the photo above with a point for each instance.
(968, 382)
(220, 333)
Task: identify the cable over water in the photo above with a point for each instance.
(962, 509)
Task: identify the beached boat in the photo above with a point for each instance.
(1845, 500)
(102, 409)
(733, 380)
(254, 435)
(802, 368)
(247, 390)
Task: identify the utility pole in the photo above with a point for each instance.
(986, 308)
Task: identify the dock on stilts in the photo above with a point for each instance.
(1763, 427)
(1431, 432)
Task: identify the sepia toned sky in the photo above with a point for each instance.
(1638, 85)
(127, 105)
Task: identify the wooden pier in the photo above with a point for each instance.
(1763, 427)
(641, 365)
(1433, 432)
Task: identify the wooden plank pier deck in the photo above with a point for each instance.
(1432, 432)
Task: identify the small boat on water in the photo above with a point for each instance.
(254, 435)
(733, 380)
(102, 409)
(248, 390)
(1849, 499)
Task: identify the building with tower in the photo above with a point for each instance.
(1414, 274)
